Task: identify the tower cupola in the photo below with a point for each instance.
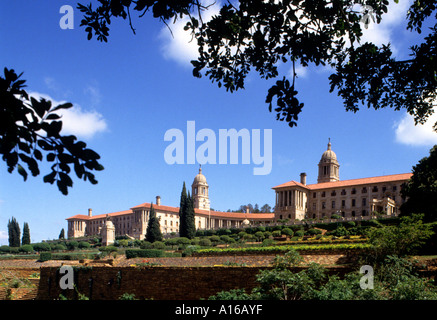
(328, 166)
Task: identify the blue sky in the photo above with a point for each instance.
(128, 92)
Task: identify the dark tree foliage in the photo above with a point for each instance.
(190, 218)
(26, 234)
(31, 129)
(153, 232)
(14, 233)
(62, 234)
(259, 35)
(187, 226)
(421, 190)
(182, 207)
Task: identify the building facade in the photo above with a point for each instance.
(332, 196)
(295, 201)
(133, 222)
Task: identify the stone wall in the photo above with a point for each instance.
(157, 283)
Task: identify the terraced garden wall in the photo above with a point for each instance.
(158, 283)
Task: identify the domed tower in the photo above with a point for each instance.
(328, 166)
(200, 191)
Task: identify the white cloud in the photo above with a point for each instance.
(416, 135)
(77, 121)
(382, 33)
(179, 45)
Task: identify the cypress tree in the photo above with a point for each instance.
(62, 234)
(14, 233)
(182, 209)
(26, 234)
(153, 232)
(189, 218)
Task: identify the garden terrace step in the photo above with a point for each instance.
(3, 293)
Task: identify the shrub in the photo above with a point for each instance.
(143, 253)
(299, 233)
(45, 256)
(287, 232)
(314, 231)
(59, 247)
(71, 245)
(205, 242)
(123, 242)
(183, 241)
(214, 239)
(267, 234)
(268, 242)
(146, 245)
(340, 231)
(27, 248)
(108, 249)
(189, 250)
(127, 296)
(84, 245)
(226, 239)
(241, 234)
(5, 249)
(158, 245)
(259, 235)
(13, 250)
(42, 246)
(276, 233)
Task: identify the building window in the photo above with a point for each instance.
(323, 205)
(364, 202)
(333, 193)
(343, 192)
(375, 189)
(314, 194)
(353, 202)
(353, 213)
(333, 205)
(323, 194)
(343, 203)
(394, 188)
(364, 190)
(354, 191)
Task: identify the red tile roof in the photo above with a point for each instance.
(214, 214)
(348, 183)
(99, 216)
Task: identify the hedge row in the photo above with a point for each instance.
(45, 256)
(143, 253)
(282, 249)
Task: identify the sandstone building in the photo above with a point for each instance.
(351, 199)
(331, 196)
(133, 222)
